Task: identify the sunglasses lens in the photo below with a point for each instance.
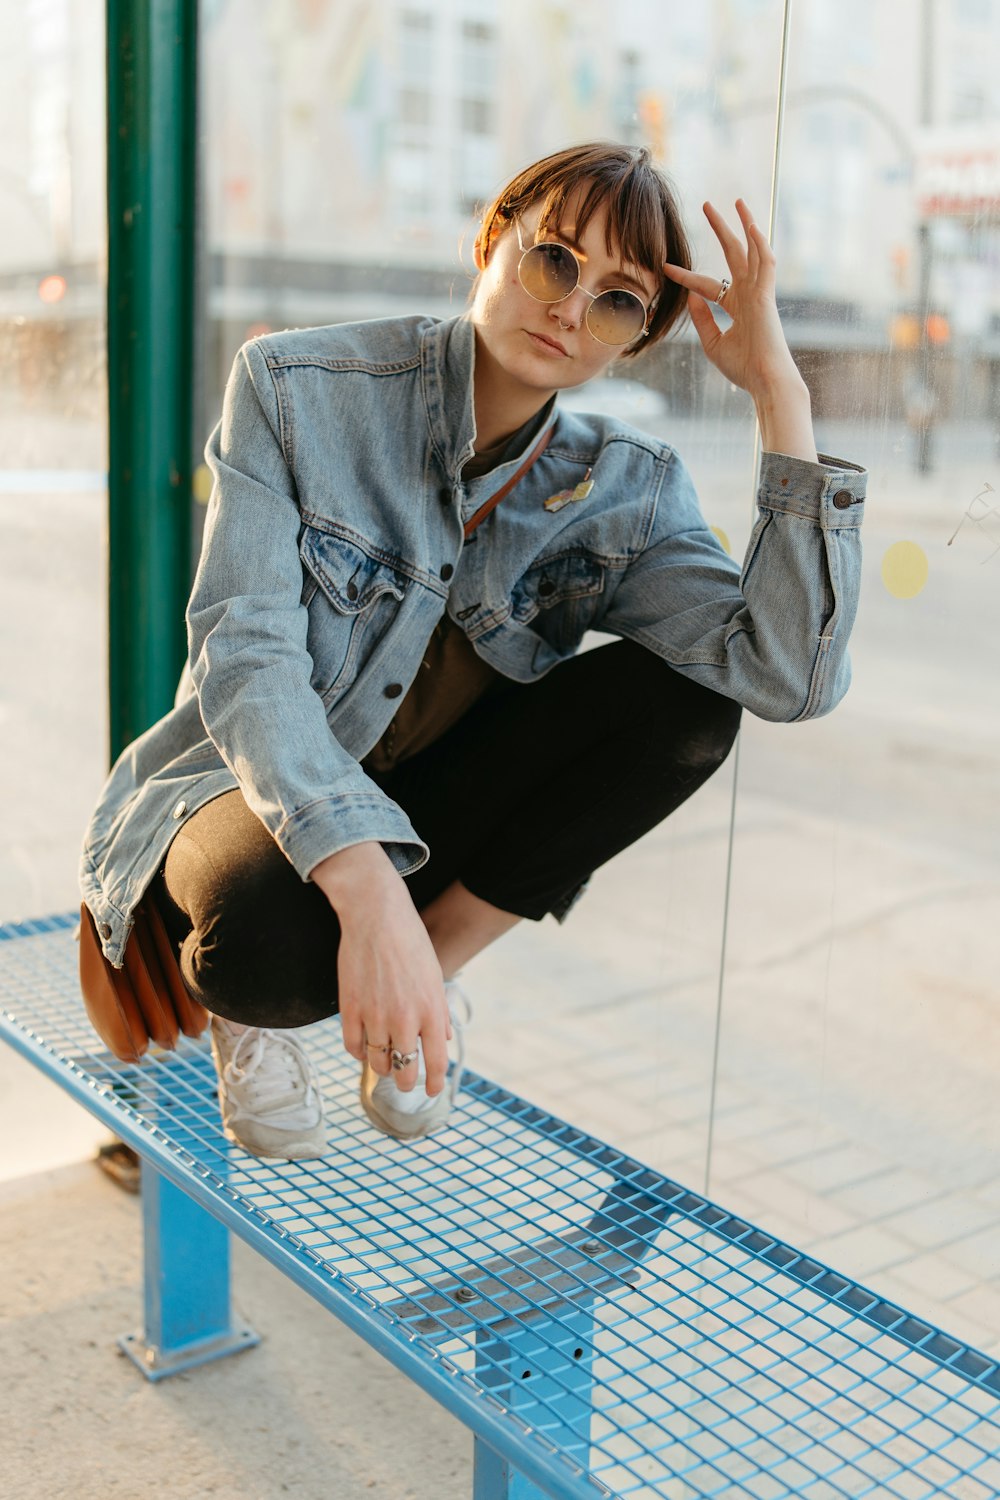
(616, 317)
(548, 272)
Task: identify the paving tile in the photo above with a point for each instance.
(733, 1163)
(797, 1141)
(988, 1192)
(818, 1216)
(860, 1252)
(747, 1121)
(688, 1170)
(981, 1304)
(944, 1221)
(887, 1192)
(832, 1170)
(935, 1276)
(670, 1147)
(978, 1253)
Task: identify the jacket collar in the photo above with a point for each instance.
(448, 362)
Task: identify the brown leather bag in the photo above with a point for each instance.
(144, 1001)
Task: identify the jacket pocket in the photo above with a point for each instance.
(352, 598)
(559, 598)
(556, 581)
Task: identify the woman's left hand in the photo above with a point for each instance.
(752, 351)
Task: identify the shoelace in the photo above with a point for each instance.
(279, 1076)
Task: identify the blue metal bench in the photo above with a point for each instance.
(601, 1329)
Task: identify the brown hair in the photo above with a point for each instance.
(643, 216)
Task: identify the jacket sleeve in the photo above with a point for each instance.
(774, 636)
(250, 664)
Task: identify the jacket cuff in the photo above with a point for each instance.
(325, 827)
(831, 491)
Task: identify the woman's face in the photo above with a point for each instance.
(547, 346)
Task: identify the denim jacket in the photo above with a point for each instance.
(334, 543)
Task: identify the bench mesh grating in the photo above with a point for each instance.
(723, 1360)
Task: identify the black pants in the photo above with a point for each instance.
(529, 793)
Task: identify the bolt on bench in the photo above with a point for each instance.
(601, 1329)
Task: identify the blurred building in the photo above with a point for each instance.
(347, 144)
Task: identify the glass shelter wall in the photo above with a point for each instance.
(788, 991)
(856, 1096)
(53, 446)
(53, 497)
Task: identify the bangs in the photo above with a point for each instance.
(635, 222)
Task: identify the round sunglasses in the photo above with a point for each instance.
(550, 272)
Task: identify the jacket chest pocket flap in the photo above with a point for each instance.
(557, 581)
(352, 599)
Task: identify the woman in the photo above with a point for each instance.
(406, 542)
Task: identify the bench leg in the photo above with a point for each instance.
(188, 1318)
(543, 1371)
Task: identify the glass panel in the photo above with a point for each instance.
(857, 1105)
(347, 148)
(53, 416)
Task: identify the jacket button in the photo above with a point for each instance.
(179, 810)
(394, 689)
(447, 571)
(546, 587)
(105, 930)
(352, 591)
(843, 498)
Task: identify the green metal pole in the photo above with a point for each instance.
(151, 119)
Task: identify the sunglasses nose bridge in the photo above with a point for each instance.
(574, 309)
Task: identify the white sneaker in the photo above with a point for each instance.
(268, 1094)
(413, 1114)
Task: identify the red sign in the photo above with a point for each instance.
(958, 173)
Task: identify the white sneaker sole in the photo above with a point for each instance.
(290, 1150)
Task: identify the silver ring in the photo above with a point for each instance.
(724, 288)
(378, 1046)
(402, 1060)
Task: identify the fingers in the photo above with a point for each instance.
(378, 1049)
(695, 281)
(752, 249)
(435, 1048)
(752, 261)
(407, 1045)
(381, 1036)
(391, 997)
(760, 256)
(352, 1030)
(404, 1074)
(705, 325)
(732, 248)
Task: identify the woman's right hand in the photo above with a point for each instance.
(390, 985)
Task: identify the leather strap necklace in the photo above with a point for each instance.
(484, 510)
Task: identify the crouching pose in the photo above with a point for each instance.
(390, 750)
